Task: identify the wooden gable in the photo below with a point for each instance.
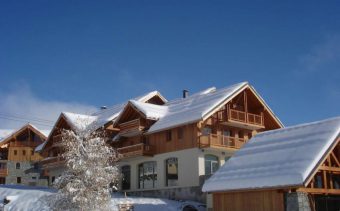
(325, 178)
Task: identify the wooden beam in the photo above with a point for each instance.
(331, 181)
(327, 168)
(325, 184)
(335, 158)
(319, 191)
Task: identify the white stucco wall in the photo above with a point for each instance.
(190, 166)
(187, 168)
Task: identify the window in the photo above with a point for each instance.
(15, 152)
(19, 180)
(180, 133)
(227, 133)
(147, 173)
(240, 134)
(53, 178)
(206, 131)
(126, 181)
(336, 181)
(17, 165)
(32, 152)
(168, 135)
(318, 181)
(23, 152)
(211, 164)
(171, 173)
(34, 178)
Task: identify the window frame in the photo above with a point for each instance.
(144, 166)
(168, 135)
(176, 181)
(211, 162)
(123, 177)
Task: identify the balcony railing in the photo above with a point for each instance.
(136, 150)
(24, 144)
(57, 141)
(3, 172)
(214, 140)
(132, 126)
(245, 117)
(52, 162)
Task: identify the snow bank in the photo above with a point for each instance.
(33, 199)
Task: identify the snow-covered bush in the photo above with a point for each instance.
(90, 174)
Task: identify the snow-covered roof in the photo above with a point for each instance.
(195, 107)
(279, 158)
(79, 121)
(6, 133)
(151, 111)
(111, 113)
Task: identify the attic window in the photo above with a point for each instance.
(168, 135)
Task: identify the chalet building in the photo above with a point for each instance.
(18, 160)
(169, 150)
(53, 163)
(295, 168)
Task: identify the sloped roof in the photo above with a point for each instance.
(198, 106)
(6, 134)
(79, 121)
(111, 113)
(151, 111)
(279, 158)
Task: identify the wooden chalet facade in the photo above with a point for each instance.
(18, 159)
(156, 159)
(301, 171)
(52, 150)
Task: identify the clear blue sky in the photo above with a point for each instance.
(104, 52)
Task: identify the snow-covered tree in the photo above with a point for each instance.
(91, 172)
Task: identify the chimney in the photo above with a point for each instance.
(103, 107)
(185, 93)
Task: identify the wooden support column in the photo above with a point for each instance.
(325, 185)
(245, 104)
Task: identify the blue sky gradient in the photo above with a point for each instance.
(104, 52)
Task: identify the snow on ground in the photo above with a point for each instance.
(25, 198)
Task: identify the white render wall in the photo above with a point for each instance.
(187, 167)
(190, 167)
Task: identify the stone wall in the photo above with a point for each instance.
(30, 175)
(183, 193)
(297, 201)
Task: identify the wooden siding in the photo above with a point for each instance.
(162, 145)
(244, 201)
(23, 154)
(238, 130)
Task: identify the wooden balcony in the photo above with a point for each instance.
(136, 150)
(3, 172)
(131, 128)
(57, 139)
(220, 141)
(52, 162)
(242, 119)
(24, 144)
